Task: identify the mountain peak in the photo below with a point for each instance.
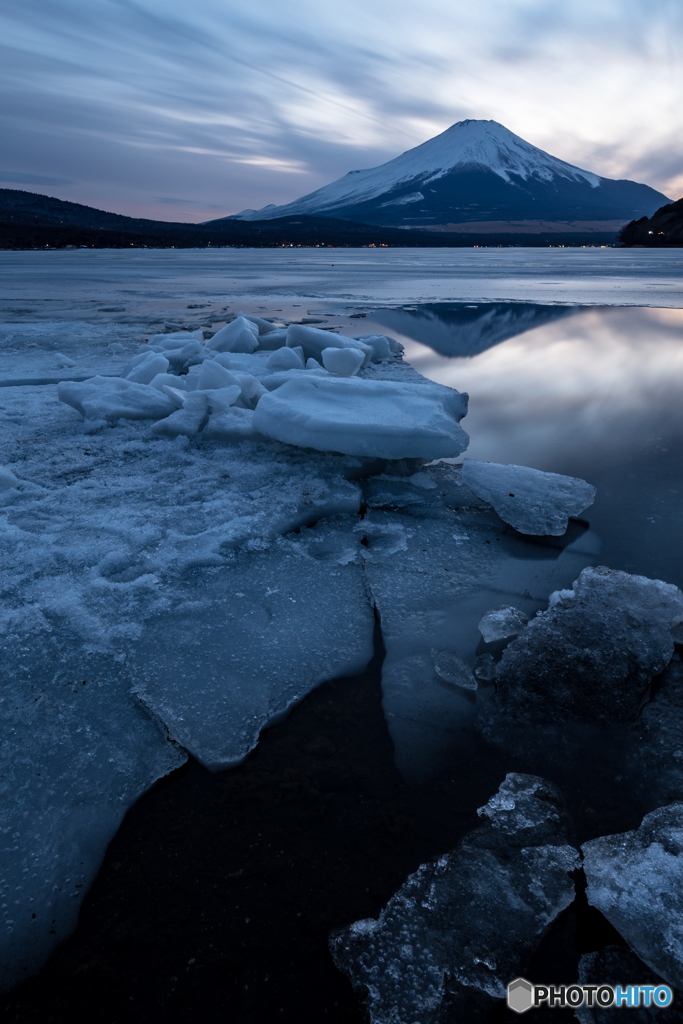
(475, 170)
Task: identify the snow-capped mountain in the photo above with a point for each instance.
(474, 171)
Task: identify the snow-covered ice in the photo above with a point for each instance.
(188, 553)
(235, 653)
(239, 336)
(636, 880)
(377, 418)
(593, 653)
(461, 927)
(531, 501)
(313, 341)
(344, 361)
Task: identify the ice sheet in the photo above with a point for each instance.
(437, 559)
(78, 749)
(236, 647)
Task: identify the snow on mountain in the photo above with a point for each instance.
(494, 173)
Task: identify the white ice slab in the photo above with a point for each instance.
(531, 501)
(384, 419)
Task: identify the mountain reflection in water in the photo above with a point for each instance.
(589, 391)
(460, 329)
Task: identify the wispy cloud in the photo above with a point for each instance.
(18, 178)
(114, 102)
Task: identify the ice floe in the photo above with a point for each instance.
(593, 653)
(502, 622)
(636, 880)
(447, 944)
(531, 501)
(78, 749)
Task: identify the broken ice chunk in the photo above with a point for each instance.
(385, 419)
(187, 421)
(252, 388)
(531, 501)
(176, 339)
(502, 622)
(213, 375)
(264, 326)
(235, 424)
(595, 650)
(286, 359)
(239, 336)
(62, 361)
(447, 944)
(273, 340)
(108, 399)
(239, 645)
(314, 342)
(344, 361)
(167, 380)
(146, 370)
(452, 669)
(636, 880)
(380, 345)
(657, 759)
(216, 399)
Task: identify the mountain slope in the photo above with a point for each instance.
(474, 172)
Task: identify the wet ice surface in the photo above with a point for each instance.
(446, 945)
(636, 880)
(202, 554)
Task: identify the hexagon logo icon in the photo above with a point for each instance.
(520, 995)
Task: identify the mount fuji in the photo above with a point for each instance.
(475, 176)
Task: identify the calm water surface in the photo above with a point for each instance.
(594, 392)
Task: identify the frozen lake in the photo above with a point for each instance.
(77, 283)
(158, 567)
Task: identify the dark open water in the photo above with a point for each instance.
(216, 897)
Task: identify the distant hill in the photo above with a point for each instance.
(664, 228)
(29, 220)
(476, 174)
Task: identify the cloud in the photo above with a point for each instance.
(33, 179)
(114, 102)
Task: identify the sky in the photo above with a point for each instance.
(197, 109)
